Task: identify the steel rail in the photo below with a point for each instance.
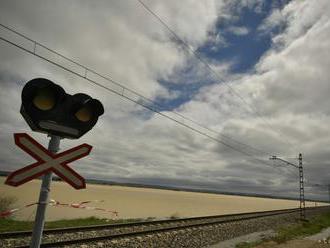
(158, 229)
(131, 234)
(5, 235)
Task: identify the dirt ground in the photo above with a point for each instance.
(299, 243)
(133, 202)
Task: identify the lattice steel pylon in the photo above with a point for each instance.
(302, 190)
(301, 183)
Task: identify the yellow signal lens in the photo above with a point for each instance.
(84, 114)
(44, 99)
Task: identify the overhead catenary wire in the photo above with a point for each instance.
(252, 108)
(86, 73)
(126, 88)
(209, 67)
(85, 76)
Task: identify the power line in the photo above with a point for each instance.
(121, 93)
(88, 71)
(289, 170)
(127, 89)
(209, 67)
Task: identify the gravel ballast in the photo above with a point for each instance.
(203, 236)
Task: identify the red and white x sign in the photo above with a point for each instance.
(48, 161)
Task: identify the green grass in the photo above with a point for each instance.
(314, 226)
(293, 231)
(10, 225)
(7, 225)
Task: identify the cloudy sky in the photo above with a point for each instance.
(256, 72)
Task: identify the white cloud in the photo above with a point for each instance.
(289, 88)
(275, 19)
(238, 5)
(217, 41)
(239, 31)
(119, 39)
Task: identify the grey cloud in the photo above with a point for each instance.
(134, 145)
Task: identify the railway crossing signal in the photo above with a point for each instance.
(47, 108)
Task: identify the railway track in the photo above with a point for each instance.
(89, 234)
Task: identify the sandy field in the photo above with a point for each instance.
(136, 202)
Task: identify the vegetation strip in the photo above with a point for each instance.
(294, 231)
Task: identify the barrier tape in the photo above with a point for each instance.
(55, 203)
(81, 205)
(7, 213)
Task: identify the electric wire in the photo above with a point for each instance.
(289, 168)
(85, 76)
(127, 89)
(121, 94)
(209, 67)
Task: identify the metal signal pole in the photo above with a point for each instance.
(301, 183)
(53, 146)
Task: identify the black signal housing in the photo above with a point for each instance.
(47, 108)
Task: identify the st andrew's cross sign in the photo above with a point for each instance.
(47, 161)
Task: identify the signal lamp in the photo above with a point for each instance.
(84, 114)
(44, 99)
(48, 109)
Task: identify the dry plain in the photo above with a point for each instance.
(133, 202)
